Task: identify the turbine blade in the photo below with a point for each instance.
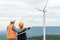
(38, 9)
(45, 5)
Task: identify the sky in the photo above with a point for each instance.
(24, 10)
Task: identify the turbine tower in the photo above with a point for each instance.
(44, 11)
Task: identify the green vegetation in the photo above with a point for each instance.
(48, 37)
(53, 37)
(36, 38)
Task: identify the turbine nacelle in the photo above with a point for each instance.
(41, 10)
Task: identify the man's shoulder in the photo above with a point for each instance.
(8, 25)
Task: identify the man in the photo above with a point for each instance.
(11, 35)
(22, 36)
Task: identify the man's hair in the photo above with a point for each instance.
(12, 22)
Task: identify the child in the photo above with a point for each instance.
(22, 36)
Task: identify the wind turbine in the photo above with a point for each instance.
(44, 11)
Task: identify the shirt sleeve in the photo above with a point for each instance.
(17, 30)
(28, 28)
(24, 30)
(20, 31)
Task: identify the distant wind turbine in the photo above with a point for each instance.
(44, 11)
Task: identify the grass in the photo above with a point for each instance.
(36, 38)
(53, 37)
(48, 37)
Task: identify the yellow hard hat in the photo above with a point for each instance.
(20, 24)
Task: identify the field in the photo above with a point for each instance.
(53, 37)
(48, 37)
(36, 38)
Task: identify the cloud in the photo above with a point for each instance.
(35, 21)
(24, 10)
(29, 22)
(7, 0)
(53, 3)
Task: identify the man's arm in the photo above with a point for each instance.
(18, 31)
(28, 28)
(25, 29)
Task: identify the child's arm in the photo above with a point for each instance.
(18, 31)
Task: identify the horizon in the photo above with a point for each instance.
(49, 30)
(31, 27)
(37, 27)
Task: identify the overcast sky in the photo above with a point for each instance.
(24, 10)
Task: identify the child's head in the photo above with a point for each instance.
(21, 24)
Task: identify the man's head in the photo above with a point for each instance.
(21, 24)
(12, 22)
